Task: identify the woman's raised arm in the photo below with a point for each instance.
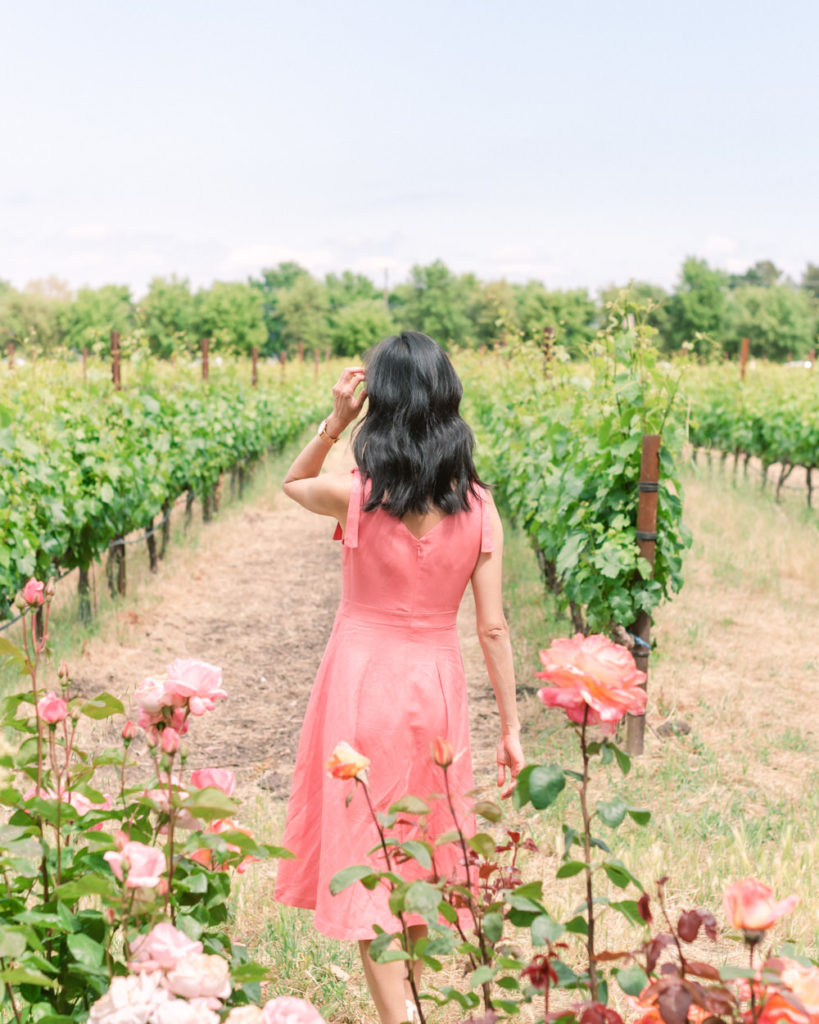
(327, 495)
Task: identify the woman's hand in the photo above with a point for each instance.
(346, 403)
(509, 755)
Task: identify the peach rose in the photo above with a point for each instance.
(33, 593)
(144, 865)
(750, 905)
(200, 976)
(289, 1010)
(51, 708)
(346, 763)
(204, 856)
(214, 778)
(804, 983)
(161, 948)
(593, 679)
(195, 681)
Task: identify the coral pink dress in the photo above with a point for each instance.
(390, 682)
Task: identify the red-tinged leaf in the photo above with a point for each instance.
(674, 1004)
(709, 923)
(597, 1013)
(655, 948)
(720, 1001)
(702, 970)
(688, 925)
(606, 955)
(643, 908)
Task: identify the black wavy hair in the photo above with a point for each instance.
(412, 444)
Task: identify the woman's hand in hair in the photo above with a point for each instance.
(509, 755)
(346, 403)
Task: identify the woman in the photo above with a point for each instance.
(416, 526)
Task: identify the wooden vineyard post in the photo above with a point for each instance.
(116, 372)
(254, 363)
(646, 540)
(743, 357)
(205, 352)
(548, 347)
(150, 541)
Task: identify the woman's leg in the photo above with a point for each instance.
(388, 982)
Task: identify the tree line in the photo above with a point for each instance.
(286, 309)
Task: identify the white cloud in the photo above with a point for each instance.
(250, 259)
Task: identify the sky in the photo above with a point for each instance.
(579, 143)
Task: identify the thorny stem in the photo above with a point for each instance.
(171, 822)
(587, 854)
(671, 928)
(485, 957)
(751, 947)
(10, 994)
(405, 935)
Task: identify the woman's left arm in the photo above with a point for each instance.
(329, 494)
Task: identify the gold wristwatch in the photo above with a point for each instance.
(324, 435)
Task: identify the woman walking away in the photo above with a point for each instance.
(416, 526)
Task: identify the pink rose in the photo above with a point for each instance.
(751, 906)
(180, 1011)
(150, 696)
(592, 679)
(161, 948)
(170, 740)
(33, 593)
(197, 682)
(289, 1010)
(144, 865)
(129, 730)
(51, 708)
(216, 778)
(133, 999)
(200, 976)
(245, 1015)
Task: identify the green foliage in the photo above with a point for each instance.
(30, 319)
(231, 315)
(562, 444)
(168, 316)
(698, 308)
(778, 320)
(359, 326)
(571, 314)
(433, 302)
(87, 322)
(302, 308)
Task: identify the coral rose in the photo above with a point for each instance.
(346, 763)
(804, 983)
(51, 708)
(750, 905)
(289, 1010)
(144, 865)
(33, 593)
(197, 682)
(214, 778)
(442, 752)
(161, 948)
(200, 976)
(593, 679)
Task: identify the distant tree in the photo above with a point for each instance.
(359, 325)
(168, 316)
(572, 314)
(342, 289)
(302, 308)
(779, 321)
(763, 273)
(30, 320)
(94, 313)
(271, 282)
(810, 279)
(494, 315)
(51, 287)
(232, 315)
(697, 309)
(435, 302)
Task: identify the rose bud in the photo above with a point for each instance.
(170, 740)
(129, 731)
(33, 593)
(51, 708)
(49, 590)
(62, 672)
(442, 752)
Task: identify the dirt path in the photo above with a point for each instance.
(257, 596)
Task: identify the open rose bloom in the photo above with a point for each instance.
(346, 763)
(33, 593)
(189, 687)
(750, 905)
(592, 679)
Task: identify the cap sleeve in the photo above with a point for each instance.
(349, 536)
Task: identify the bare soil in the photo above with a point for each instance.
(257, 596)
